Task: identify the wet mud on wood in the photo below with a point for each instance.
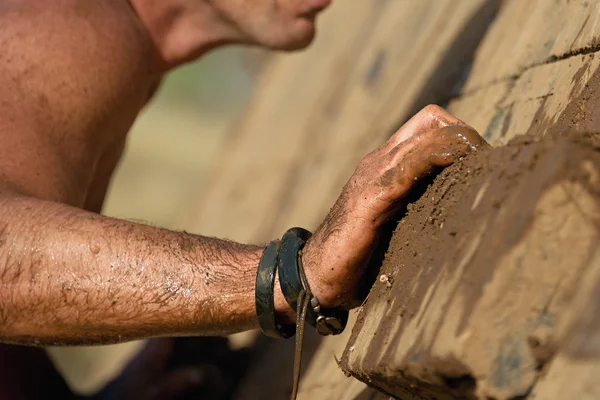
(484, 268)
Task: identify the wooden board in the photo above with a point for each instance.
(532, 61)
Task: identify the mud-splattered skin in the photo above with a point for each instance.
(74, 74)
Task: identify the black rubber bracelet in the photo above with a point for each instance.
(265, 306)
(289, 279)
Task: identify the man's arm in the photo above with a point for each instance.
(70, 276)
(74, 75)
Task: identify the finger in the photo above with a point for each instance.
(453, 134)
(177, 383)
(400, 179)
(416, 165)
(430, 117)
(440, 149)
(419, 158)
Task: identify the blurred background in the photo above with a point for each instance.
(168, 159)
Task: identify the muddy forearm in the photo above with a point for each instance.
(69, 276)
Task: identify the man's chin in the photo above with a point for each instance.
(297, 45)
(298, 40)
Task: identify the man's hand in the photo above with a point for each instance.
(339, 251)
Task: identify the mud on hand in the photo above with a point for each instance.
(336, 256)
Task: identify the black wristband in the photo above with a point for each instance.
(265, 305)
(289, 279)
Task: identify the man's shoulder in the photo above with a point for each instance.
(73, 77)
(65, 51)
(106, 30)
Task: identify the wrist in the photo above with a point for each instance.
(325, 290)
(334, 262)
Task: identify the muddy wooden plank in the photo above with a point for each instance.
(483, 269)
(547, 100)
(569, 378)
(534, 32)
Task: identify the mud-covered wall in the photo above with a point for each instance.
(482, 277)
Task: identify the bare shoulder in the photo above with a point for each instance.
(109, 24)
(73, 76)
(77, 38)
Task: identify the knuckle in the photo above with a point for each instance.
(439, 116)
(433, 109)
